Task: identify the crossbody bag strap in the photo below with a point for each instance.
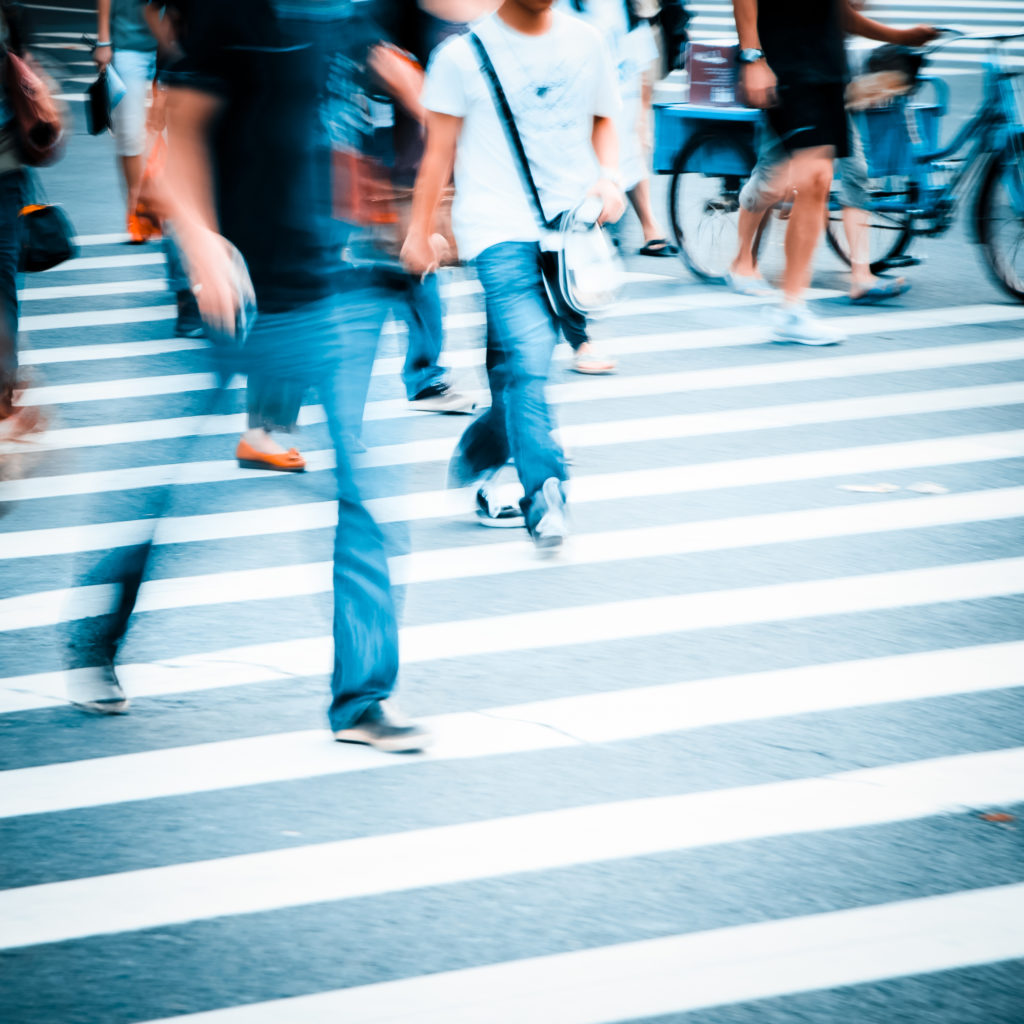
(511, 131)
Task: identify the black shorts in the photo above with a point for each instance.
(809, 115)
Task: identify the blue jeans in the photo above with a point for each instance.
(12, 194)
(521, 336)
(424, 318)
(329, 345)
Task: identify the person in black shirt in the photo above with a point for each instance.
(793, 65)
(269, 120)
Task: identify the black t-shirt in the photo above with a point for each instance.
(293, 80)
(803, 40)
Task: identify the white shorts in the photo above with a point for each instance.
(136, 69)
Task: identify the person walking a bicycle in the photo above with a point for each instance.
(793, 66)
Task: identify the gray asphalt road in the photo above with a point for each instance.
(750, 751)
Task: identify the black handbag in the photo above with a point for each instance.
(582, 272)
(47, 237)
(97, 106)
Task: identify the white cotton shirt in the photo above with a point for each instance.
(556, 84)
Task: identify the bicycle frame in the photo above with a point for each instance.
(936, 186)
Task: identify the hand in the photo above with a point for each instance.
(919, 35)
(613, 203)
(759, 82)
(422, 254)
(102, 55)
(212, 279)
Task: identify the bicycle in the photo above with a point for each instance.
(922, 182)
(710, 153)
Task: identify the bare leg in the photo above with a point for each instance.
(745, 265)
(856, 224)
(131, 171)
(811, 177)
(640, 198)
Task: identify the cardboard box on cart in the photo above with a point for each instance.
(712, 68)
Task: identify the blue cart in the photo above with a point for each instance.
(710, 152)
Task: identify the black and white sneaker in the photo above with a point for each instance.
(97, 690)
(551, 528)
(443, 398)
(498, 499)
(379, 729)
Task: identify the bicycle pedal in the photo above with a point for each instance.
(898, 262)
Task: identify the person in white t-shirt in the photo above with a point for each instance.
(562, 90)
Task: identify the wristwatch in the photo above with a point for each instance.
(750, 56)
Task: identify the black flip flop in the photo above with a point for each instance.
(658, 247)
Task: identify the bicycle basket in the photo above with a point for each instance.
(891, 133)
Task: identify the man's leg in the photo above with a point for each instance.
(522, 328)
(424, 319)
(338, 340)
(425, 380)
(12, 192)
(765, 187)
(865, 287)
(810, 174)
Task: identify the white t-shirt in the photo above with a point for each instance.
(556, 84)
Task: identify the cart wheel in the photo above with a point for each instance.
(703, 207)
(1000, 219)
(889, 234)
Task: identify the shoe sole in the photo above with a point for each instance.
(255, 464)
(504, 523)
(805, 341)
(394, 746)
(105, 707)
(459, 411)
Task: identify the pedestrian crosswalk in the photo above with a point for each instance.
(749, 750)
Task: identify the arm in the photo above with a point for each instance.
(190, 115)
(102, 55)
(857, 25)
(402, 79)
(606, 148)
(420, 252)
(757, 80)
(161, 29)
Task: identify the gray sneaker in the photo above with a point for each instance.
(377, 728)
(551, 529)
(442, 398)
(97, 690)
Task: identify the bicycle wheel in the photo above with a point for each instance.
(889, 232)
(703, 206)
(999, 216)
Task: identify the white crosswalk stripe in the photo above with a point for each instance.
(739, 636)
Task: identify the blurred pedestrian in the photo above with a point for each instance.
(414, 35)
(267, 114)
(561, 88)
(15, 420)
(793, 65)
(125, 42)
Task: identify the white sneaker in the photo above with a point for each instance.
(796, 325)
(97, 690)
(444, 399)
(552, 528)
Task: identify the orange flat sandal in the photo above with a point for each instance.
(284, 462)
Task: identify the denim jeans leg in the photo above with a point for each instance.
(12, 192)
(365, 619)
(522, 331)
(574, 330)
(424, 318)
(484, 443)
